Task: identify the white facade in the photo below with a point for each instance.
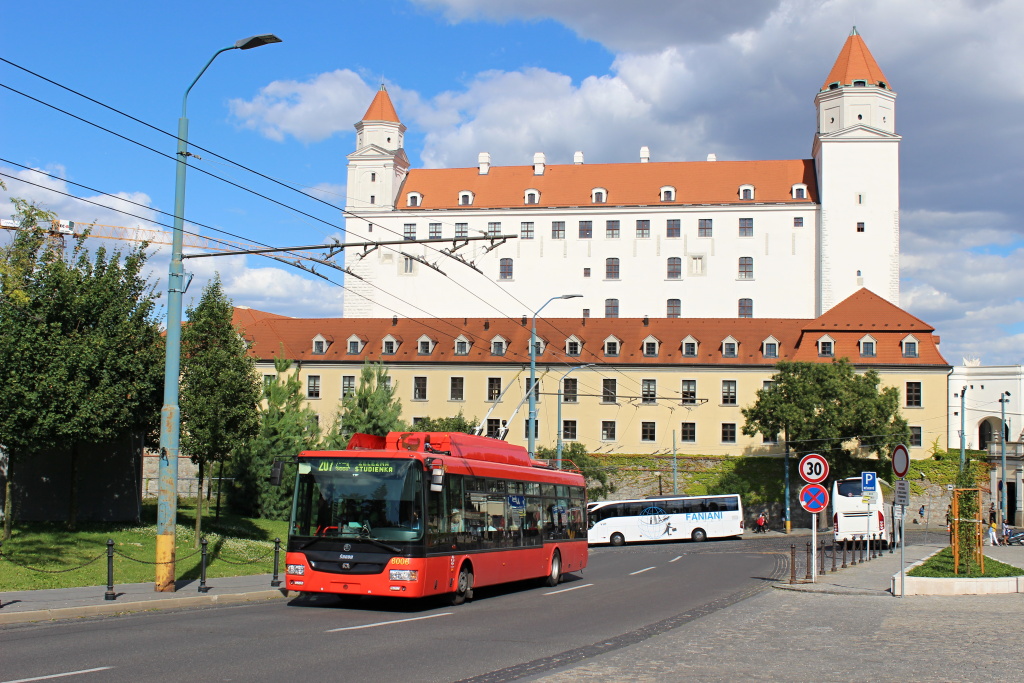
(985, 386)
(788, 239)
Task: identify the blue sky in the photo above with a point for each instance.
(513, 78)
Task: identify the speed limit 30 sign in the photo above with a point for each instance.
(813, 468)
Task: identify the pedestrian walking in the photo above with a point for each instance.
(992, 513)
(761, 521)
(992, 538)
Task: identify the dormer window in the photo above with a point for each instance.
(668, 194)
(390, 345)
(860, 84)
(826, 347)
(532, 197)
(599, 195)
(746, 191)
(867, 347)
(730, 348)
(318, 348)
(425, 345)
(611, 347)
(651, 347)
(465, 198)
(461, 346)
(909, 345)
(414, 199)
(573, 346)
(770, 348)
(389, 348)
(355, 345)
(689, 347)
(498, 346)
(799, 191)
(538, 348)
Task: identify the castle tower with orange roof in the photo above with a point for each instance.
(856, 153)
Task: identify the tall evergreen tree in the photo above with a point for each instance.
(220, 389)
(81, 348)
(286, 428)
(372, 408)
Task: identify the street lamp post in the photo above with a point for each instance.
(1003, 398)
(531, 421)
(558, 449)
(170, 422)
(963, 428)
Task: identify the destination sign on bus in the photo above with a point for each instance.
(378, 466)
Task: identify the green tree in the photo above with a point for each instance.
(594, 472)
(220, 389)
(286, 428)
(458, 423)
(372, 408)
(829, 408)
(81, 348)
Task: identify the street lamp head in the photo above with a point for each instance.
(571, 296)
(257, 41)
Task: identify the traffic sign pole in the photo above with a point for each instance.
(814, 548)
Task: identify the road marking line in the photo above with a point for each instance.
(640, 571)
(387, 623)
(63, 675)
(566, 590)
(678, 557)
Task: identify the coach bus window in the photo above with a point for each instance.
(850, 488)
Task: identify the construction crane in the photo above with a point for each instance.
(59, 229)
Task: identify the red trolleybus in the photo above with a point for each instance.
(418, 514)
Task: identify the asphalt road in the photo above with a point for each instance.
(625, 596)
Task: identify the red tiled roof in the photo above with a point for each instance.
(855, 63)
(381, 108)
(633, 184)
(867, 313)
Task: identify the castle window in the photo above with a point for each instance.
(413, 199)
(526, 231)
(462, 229)
(798, 221)
(746, 268)
(494, 229)
(599, 195)
(746, 227)
(505, 269)
(586, 230)
(860, 227)
(558, 230)
(672, 227)
(643, 228)
(673, 308)
(746, 308)
(435, 231)
(668, 194)
(409, 231)
(746, 191)
(799, 191)
(532, 197)
(465, 198)
(611, 308)
(611, 230)
(611, 269)
(704, 227)
(675, 268)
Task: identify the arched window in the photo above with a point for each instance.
(465, 198)
(675, 268)
(746, 268)
(611, 269)
(532, 197)
(746, 308)
(611, 308)
(599, 195)
(414, 199)
(505, 269)
(668, 194)
(674, 308)
(746, 191)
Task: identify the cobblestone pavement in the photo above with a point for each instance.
(786, 635)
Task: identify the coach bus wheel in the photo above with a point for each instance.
(464, 588)
(618, 539)
(555, 575)
(699, 536)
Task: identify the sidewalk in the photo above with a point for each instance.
(67, 603)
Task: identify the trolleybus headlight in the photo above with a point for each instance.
(298, 569)
(404, 574)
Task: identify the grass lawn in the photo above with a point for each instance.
(940, 566)
(237, 546)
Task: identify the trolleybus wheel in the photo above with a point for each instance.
(699, 536)
(617, 539)
(464, 586)
(555, 575)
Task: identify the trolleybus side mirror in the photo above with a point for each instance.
(276, 471)
(436, 479)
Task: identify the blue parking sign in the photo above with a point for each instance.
(868, 481)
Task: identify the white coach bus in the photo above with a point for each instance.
(857, 516)
(668, 518)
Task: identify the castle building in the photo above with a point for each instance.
(659, 239)
(637, 385)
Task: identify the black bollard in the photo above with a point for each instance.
(808, 572)
(203, 588)
(833, 556)
(821, 559)
(275, 582)
(844, 555)
(792, 563)
(110, 594)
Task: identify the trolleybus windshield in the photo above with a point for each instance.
(372, 498)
